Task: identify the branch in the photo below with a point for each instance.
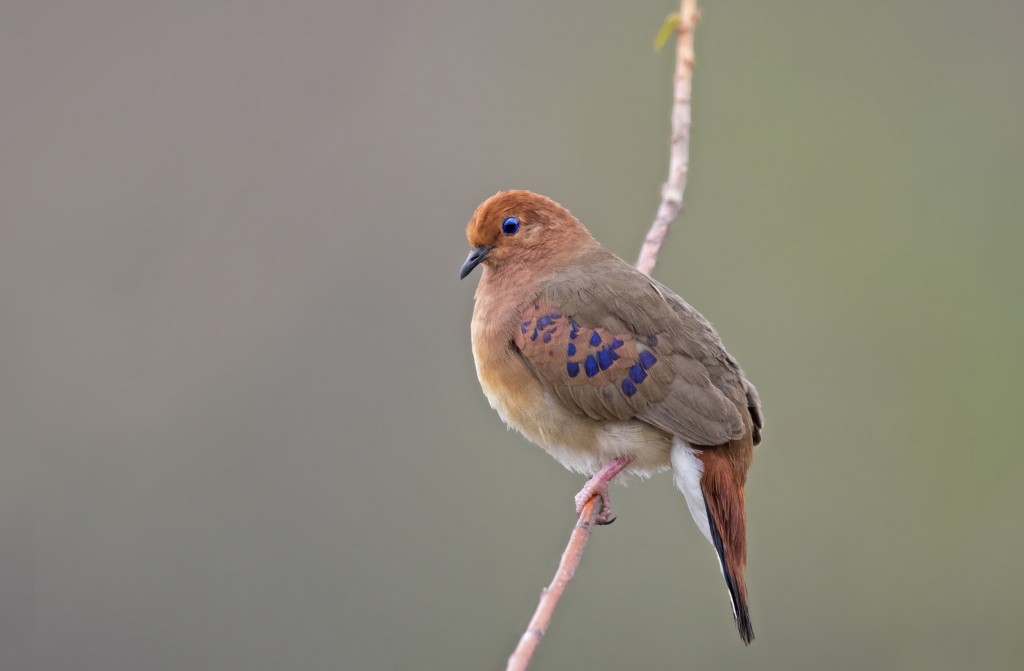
(679, 145)
(535, 631)
(671, 204)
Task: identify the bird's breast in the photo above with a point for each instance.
(510, 387)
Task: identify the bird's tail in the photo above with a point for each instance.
(712, 481)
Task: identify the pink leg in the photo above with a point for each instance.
(597, 485)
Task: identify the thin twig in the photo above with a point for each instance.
(541, 619)
(679, 145)
(671, 204)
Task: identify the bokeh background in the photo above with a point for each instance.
(239, 422)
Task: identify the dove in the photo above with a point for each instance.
(610, 371)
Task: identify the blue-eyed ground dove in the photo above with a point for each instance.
(609, 370)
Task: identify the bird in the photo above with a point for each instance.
(610, 371)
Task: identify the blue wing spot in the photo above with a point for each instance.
(555, 315)
(616, 343)
(652, 340)
(524, 326)
(613, 354)
(590, 365)
(628, 388)
(637, 374)
(534, 336)
(573, 368)
(547, 338)
(604, 359)
(595, 339)
(571, 350)
(647, 359)
(544, 322)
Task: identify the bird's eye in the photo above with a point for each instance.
(510, 226)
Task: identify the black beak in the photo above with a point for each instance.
(476, 255)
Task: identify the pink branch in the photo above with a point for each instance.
(679, 144)
(671, 204)
(549, 598)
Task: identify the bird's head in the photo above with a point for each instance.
(523, 228)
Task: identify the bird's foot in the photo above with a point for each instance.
(597, 485)
(590, 490)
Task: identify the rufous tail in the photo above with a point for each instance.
(722, 485)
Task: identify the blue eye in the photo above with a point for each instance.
(510, 226)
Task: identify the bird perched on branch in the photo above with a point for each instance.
(610, 371)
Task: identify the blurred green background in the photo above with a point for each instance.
(240, 423)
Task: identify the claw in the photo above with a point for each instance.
(598, 486)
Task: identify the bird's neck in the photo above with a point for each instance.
(502, 292)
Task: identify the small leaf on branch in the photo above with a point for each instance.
(670, 25)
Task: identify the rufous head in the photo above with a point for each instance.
(521, 227)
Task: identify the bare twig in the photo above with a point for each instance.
(671, 204)
(679, 145)
(523, 653)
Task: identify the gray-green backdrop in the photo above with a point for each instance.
(239, 422)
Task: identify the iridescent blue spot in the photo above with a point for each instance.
(652, 340)
(647, 359)
(573, 368)
(590, 365)
(555, 315)
(547, 338)
(595, 339)
(613, 354)
(572, 335)
(544, 322)
(524, 326)
(534, 336)
(616, 343)
(628, 388)
(637, 374)
(571, 350)
(604, 359)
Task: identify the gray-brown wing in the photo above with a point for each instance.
(606, 342)
(725, 371)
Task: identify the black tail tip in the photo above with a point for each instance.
(737, 592)
(744, 626)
